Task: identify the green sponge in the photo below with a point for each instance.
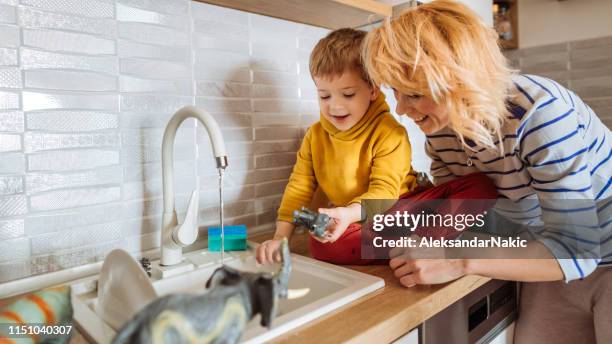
(234, 238)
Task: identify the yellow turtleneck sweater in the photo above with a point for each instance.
(371, 160)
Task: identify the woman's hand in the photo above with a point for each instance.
(411, 266)
(341, 218)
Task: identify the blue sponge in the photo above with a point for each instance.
(234, 238)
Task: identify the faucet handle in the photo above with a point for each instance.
(187, 233)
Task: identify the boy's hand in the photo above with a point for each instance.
(341, 218)
(269, 251)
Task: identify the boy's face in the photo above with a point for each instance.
(344, 99)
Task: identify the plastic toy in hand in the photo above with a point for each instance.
(315, 222)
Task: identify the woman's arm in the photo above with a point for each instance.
(412, 271)
(513, 267)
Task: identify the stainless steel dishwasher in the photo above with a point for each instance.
(477, 318)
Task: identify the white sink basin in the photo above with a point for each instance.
(330, 287)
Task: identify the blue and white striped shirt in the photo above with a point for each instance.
(555, 148)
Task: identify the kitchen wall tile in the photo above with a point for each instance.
(175, 7)
(273, 120)
(220, 29)
(132, 14)
(10, 78)
(592, 53)
(72, 160)
(12, 163)
(32, 59)
(152, 188)
(235, 194)
(14, 270)
(149, 103)
(275, 78)
(263, 204)
(593, 87)
(588, 43)
(8, 14)
(224, 73)
(234, 45)
(9, 36)
(154, 68)
(87, 101)
(9, 100)
(275, 134)
(74, 198)
(203, 11)
(152, 34)
(78, 237)
(223, 104)
(230, 210)
(140, 243)
(126, 48)
(69, 80)
(36, 141)
(39, 182)
(10, 229)
(233, 120)
(267, 147)
(154, 137)
(266, 217)
(10, 185)
(14, 249)
(223, 89)
(10, 142)
(275, 160)
(142, 154)
(86, 8)
(270, 188)
(71, 121)
(8, 57)
(275, 92)
(139, 226)
(52, 40)
(141, 85)
(141, 172)
(551, 49)
(276, 105)
(59, 220)
(13, 205)
(33, 18)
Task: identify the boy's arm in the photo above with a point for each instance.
(390, 166)
(301, 186)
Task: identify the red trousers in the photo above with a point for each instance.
(347, 249)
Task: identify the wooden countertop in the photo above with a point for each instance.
(381, 316)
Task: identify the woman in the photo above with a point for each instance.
(536, 140)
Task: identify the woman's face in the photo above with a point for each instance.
(428, 115)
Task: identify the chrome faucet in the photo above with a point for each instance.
(175, 236)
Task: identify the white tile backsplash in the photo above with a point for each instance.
(34, 18)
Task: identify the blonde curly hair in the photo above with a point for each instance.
(444, 51)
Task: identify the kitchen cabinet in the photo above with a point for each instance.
(331, 14)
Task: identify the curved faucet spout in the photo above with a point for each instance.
(171, 245)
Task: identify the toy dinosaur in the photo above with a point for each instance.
(315, 222)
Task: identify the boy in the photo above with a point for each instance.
(356, 151)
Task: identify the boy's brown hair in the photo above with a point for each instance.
(337, 52)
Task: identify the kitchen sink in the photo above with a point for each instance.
(330, 287)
